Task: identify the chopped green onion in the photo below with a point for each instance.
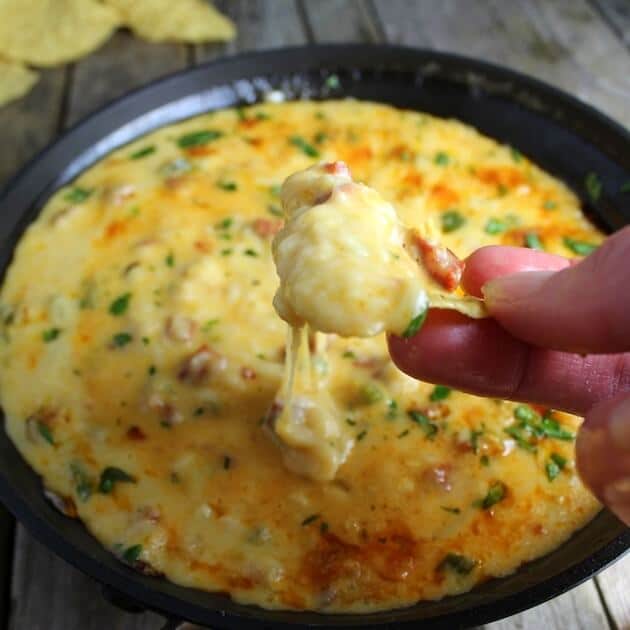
(371, 393)
(425, 424)
(392, 410)
(121, 339)
(275, 210)
(496, 494)
(415, 324)
(555, 466)
(137, 155)
(462, 565)
(495, 226)
(304, 146)
(251, 252)
(132, 554)
(310, 519)
(111, 476)
(525, 413)
(550, 205)
(551, 428)
(170, 260)
(451, 510)
(361, 435)
(228, 186)
(46, 432)
(120, 304)
(78, 194)
(581, 248)
(532, 240)
(51, 334)
(440, 392)
(517, 156)
(320, 137)
(451, 221)
(441, 158)
(83, 483)
(198, 138)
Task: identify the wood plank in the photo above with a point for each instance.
(615, 588)
(579, 609)
(341, 21)
(261, 24)
(617, 14)
(564, 42)
(49, 594)
(123, 63)
(28, 124)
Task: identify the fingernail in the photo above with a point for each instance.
(619, 426)
(515, 287)
(617, 498)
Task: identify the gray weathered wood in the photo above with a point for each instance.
(617, 14)
(28, 124)
(614, 584)
(580, 609)
(564, 42)
(48, 594)
(341, 21)
(261, 24)
(123, 63)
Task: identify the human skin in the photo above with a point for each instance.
(558, 335)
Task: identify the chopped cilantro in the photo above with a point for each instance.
(532, 240)
(111, 476)
(78, 194)
(140, 153)
(304, 146)
(131, 554)
(120, 304)
(496, 494)
(415, 324)
(121, 339)
(484, 460)
(451, 221)
(430, 429)
(51, 334)
(593, 186)
(581, 248)
(228, 186)
(46, 432)
(440, 392)
(198, 138)
(310, 519)
(441, 158)
(462, 565)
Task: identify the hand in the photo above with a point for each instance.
(559, 336)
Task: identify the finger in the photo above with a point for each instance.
(480, 357)
(603, 454)
(583, 308)
(495, 261)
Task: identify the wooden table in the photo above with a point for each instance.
(582, 46)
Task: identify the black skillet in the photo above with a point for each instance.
(563, 135)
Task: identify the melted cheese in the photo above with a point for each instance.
(138, 334)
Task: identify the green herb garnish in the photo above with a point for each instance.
(332, 82)
(227, 462)
(451, 510)
(111, 476)
(198, 138)
(275, 210)
(581, 248)
(142, 153)
(555, 466)
(304, 146)
(517, 156)
(120, 304)
(78, 194)
(371, 394)
(451, 221)
(532, 240)
(228, 186)
(83, 483)
(46, 432)
(51, 334)
(121, 339)
(550, 205)
(310, 519)
(132, 554)
(170, 260)
(495, 226)
(392, 410)
(593, 186)
(551, 428)
(430, 429)
(525, 413)
(415, 324)
(441, 158)
(320, 137)
(496, 494)
(361, 435)
(251, 252)
(462, 565)
(440, 392)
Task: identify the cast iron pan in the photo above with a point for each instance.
(564, 136)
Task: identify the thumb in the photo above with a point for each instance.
(583, 308)
(603, 454)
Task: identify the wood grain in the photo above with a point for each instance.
(261, 24)
(617, 15)
(341, 21)
(614, 584)
(564, 42)
(123, 63)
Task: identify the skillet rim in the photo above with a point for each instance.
(131, 584)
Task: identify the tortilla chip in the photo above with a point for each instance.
(15, 81)
(464, 304)
(191, 21)
(52, 32)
